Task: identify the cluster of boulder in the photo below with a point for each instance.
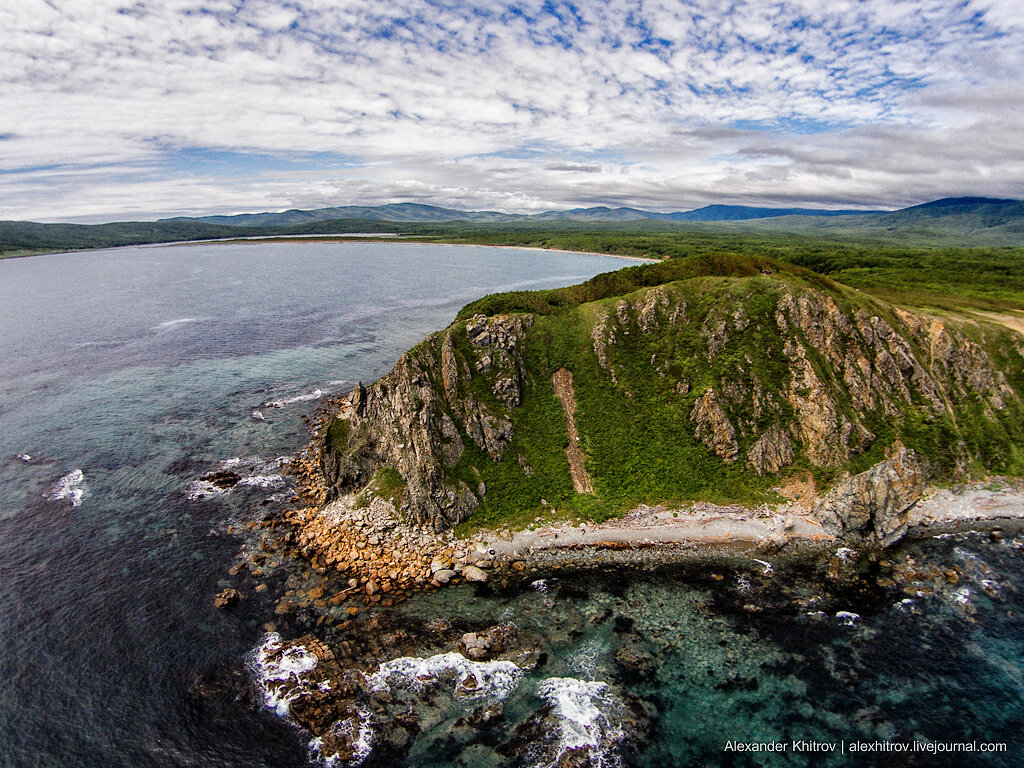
(385, 558)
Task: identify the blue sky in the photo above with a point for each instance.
(134, 110)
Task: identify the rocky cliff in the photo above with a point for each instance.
(710, 387)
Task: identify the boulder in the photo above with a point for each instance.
(874, 505)
(472, 573)
(226, 598)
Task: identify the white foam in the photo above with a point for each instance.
(200, 490)
(280, 681)
(845, 554)
(357, 731)
(257, 414)
(962, 596)
(587, 714)
(904, 605)
(847, 618)
(175, 323)
(316, 394)
(489, 678)
(71, 487)
(24, 457)
(263, 481)
(541, 585)
(768, 570)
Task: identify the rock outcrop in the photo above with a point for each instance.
(414, 419)
(672, 390)
(874, 505)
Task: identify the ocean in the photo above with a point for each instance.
(128, 374)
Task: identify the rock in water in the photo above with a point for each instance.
(222, 478)
(226, 598)
(472, 573)
(874, 505)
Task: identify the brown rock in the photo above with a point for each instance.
(713, 426)
(226, 598)
(875, 504)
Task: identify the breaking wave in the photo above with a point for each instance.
(71, 487)
(588, 716)
(279, 675)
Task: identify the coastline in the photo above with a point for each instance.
(387, 561)
(339, 238)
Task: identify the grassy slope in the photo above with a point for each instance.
(640, 446)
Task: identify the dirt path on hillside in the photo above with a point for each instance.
(1011, 320)
(561, 380)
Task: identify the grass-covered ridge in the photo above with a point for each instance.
(831, 376)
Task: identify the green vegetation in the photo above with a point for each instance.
(634, 417)
(388, 484)
(905, 265)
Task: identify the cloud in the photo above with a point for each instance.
(115, 108)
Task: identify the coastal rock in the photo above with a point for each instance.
(634, 658)
(874, 505)
(487, 644)
(404, 421)
(473, 574)
(768, 364)
(222, 478)
(772, 452)
(226, 598)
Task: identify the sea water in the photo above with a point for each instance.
(129, 374)
(126, 375)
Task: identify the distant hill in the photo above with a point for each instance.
(390, 212)
(957, 221)
(980, 221)
(744, 213)
(415, 212)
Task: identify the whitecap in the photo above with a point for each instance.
(279, 676)
(768, 570)
(962, 596)
(845, 554)
(587, 715)
(263, 481)
(316, 394)
(541, 585)
(257, 414)
(24, 457)
(71, 487)
(847, 618)
(472, 679)
(175, 323)
(200, 490)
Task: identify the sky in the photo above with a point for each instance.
(120, 110)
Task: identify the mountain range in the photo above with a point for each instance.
(954, 221)
(416, 212)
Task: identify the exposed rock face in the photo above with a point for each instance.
(226, 598)
(772, 451)
(874, 505)
(760, 372)
(713, 426)
(412, 419)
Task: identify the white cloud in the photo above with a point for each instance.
(877, 101)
